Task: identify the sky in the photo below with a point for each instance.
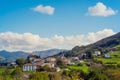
(30, 25)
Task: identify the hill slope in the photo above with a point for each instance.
(104, 44)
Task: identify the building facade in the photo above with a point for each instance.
(29, 67)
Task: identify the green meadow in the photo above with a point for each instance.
(82, 68)
(114, 57)
(2, 69)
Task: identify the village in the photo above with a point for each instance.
(60, 65)
(34, 61)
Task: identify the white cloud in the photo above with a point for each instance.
(30, 42)
(44, 9)
(100, 10)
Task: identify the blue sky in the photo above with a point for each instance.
(68, 19)
(62, 22)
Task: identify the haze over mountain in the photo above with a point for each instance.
(10, 56)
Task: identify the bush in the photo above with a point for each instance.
(17, 73)
(39, 76)
(118, 65)
(111, 62)
(61, 64)
(44, 68)
(79, 64)
(111, 66)
(95, 75)
(55, 76)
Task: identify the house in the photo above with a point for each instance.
(81, 61)
(33, 57)
(107, 55)
(67, 61)
(97, 53)
(50, 59)
(29, 67)
(74, 58)
(50, 64)
(114, 49)
(37, 60)
(38, 63)
(12, 64)
(62, 56)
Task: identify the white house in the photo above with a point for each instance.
(29, 67)
(96, 53)
(107, 55)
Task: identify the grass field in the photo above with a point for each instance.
(83, 68)
(118, 46)
(3, 69)
(114, 57)
(111, 60)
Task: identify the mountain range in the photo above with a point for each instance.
(11, 56)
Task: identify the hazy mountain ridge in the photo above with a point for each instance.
(13, 55)
(18, 54)
(47, 53)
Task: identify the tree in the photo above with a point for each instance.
(60, 64)
(44, 68)
(89, 54)
(20, 61)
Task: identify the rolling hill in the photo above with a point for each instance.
(103, 44)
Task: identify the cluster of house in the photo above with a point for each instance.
(50, 61)
(36, 62)
(98, 53)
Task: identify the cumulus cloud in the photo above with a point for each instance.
(30, 42)
(100, 10)
(44, 9)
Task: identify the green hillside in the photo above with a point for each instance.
(114, 57)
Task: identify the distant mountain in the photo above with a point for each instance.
(10, 56)
(47, 53)
(103, 44)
